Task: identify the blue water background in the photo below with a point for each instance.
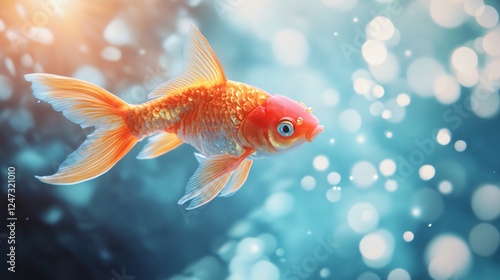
(403, 183)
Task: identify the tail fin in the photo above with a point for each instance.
(87, 105)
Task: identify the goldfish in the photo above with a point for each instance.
(228, 122)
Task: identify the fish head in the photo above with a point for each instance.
(280, 125)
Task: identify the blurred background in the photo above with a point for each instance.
(403, 183)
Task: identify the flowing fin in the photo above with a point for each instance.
(159, 144)
(201, 67)
(210, 177)
(199, 157)
(87, 105)
(237, 179)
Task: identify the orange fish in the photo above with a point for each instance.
(228, 122)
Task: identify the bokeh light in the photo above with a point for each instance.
(402, 184)
(486, 202)
(447, 256)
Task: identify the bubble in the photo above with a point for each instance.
(387, 167)
(386, 72)
(391, 185)
(264, 267)
(26, 60)
(341, 5)
(460, 146)
(394, 113)
(445, 187)
(363, 174)
(484, 102)
(447, 13)
(333, 178)
(21, 120)
(91, 74)
(279, 204)
(422, 75)
(194, 3)
(333, 194)
(377, 248)
(380, 28)
(443, 136)
(376, 108)
(486, 202)
(427, 205)
(308, 183)
(78, 195)
(331, 97)
(9, 64)
(464, 59)
(378, 91)
(471, 6)
(403, 99)
(321, 163)
(408, 236)
(426, 172)
(374, 52)
(487, 16)
(52, 216)
(363, 217)
(447, 256)
(111, 53)
(491, 41)
(362, 85)
(324, 272)
(388, 134)
(117, 32)
(484, 239)
(350, 120)
(468, 79)
(399, 274)
(6, 88)
(172, 43)
(42, 36)
(368, 276)
(446, 89)
(250, 248)
(290, 47)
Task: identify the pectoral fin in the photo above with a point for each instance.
(159, 144)
(238, 177)
(210, 178)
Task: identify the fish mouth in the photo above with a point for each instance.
(313, 133)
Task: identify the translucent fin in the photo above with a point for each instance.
(210, 177)
(237, 179)
(87, 105)
(201, 67)
(199, 157)
(159, 144)
(100, 151)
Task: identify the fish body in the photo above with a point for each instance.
(229, 123)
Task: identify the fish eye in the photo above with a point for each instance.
(285, 128)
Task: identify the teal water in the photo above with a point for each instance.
(403, 183)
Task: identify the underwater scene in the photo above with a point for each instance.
(402, 183)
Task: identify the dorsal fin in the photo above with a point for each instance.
(201, 66)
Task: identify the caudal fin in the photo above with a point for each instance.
(89, 106)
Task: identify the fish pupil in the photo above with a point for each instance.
(286, 129)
